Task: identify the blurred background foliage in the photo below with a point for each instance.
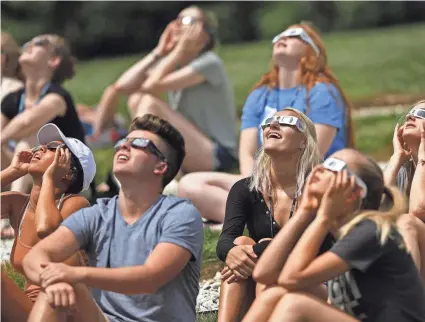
(105, 28)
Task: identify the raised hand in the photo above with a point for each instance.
(309, 201)
(398, 145)
(192, 41)
(338, 199)
(21, 161)
(421, 150)
(60, 167)
(166, 41)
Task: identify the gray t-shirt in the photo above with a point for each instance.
(111, 242)
(209, 105)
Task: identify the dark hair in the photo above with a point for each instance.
(76, 184)
(176, 146)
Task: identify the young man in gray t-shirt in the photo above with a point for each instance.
(144, 248)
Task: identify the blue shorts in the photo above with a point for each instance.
(224, 161)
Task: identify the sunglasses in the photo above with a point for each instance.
(336, 165)
(297, 32)
(42, 42)
(284, 120)
(52, 146)
(141, 143)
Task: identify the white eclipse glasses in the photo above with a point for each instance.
(297, 32)
(336, 165)
(284, 120)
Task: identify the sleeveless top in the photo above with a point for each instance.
(20, 249)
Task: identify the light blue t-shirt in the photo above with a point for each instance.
(110, 242)
(326, 107)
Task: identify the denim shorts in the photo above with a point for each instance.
(224, 161)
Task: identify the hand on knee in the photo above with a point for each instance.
(244, 240)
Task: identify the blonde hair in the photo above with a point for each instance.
(261, 180)
(11, 50)
(383, 205)
(312, 70)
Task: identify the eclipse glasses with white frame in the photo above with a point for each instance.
(336, 165)
(297, 32)
(284, 120)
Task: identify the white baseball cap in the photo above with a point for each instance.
(50, 132)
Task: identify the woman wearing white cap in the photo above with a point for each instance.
(61, 168)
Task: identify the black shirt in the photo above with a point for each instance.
(246, 207)
(383, 284)
(69, 124)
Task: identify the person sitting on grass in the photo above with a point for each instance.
(406, 169)
(299, 77)
(144, 248)
(61, 168)
(200, 101)
(370, 274)
(264, 203)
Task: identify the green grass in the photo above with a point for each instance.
(367, 62)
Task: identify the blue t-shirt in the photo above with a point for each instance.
(110, 242)
(326, 107)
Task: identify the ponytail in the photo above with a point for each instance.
(393, 205)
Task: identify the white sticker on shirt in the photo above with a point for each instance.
(268, 112)
(345, 294)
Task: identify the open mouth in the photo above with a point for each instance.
(123, 157)
(36, 157)
(274, 135)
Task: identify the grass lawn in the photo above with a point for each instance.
(369, 64)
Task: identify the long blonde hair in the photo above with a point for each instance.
(261, 176)
(384, 205)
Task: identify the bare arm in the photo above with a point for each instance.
(47, 215)
(57, 247)
(248, 146)
(8, 175)
(164, 264)
(182, 78)
(302, 269)
(276, 254)
(391, 170)
(325, 137)
(417, 192)
(30, 121)
(128, 83)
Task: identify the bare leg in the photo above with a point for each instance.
(301, 307)
(90, 312)
(208, 191)
(236, 298)
(264, 304)
(15, 305)
(199, 148)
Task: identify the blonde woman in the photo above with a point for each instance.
(369, 273)
(406, 169)
(299, 77)
(10, 81)
(264, 203)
